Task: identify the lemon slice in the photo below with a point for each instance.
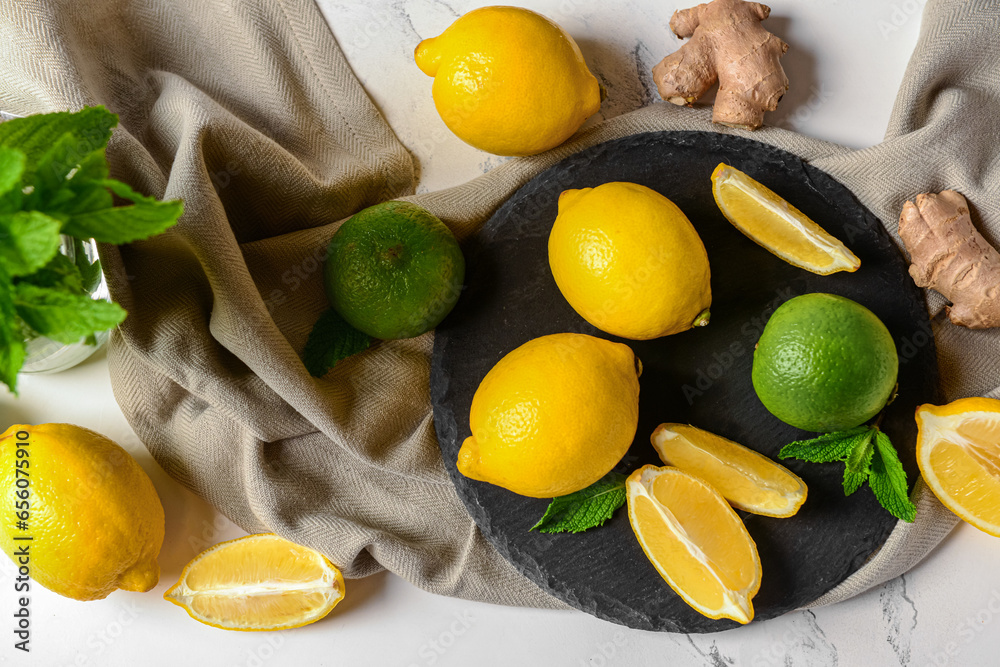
(748, 480)
(776, 225)
(695, 541)
(258, 582)
(958, 453)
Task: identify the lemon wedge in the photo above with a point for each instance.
(773, 223)
(749, 481)
(958, 453)
(695, 541)
(258, 582)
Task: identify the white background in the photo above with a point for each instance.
(845, 64)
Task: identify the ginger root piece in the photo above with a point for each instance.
(727, 45)
(950, 256)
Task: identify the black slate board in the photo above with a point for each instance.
(700, 376)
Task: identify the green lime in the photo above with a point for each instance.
(393, 270)
(824, 363)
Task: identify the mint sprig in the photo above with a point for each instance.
(868, 456)
(584, 509)
(331, 340)
(54, 180)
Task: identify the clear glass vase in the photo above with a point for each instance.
(44, 355)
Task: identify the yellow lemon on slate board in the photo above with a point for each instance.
(509, 81)
(777, 226)
(95, 520)
(748, 480)
(958, 453)
(258, 582)
(695, 541)
(553, 416)
(629, 261)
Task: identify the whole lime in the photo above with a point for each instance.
(824, 363)
(393, 270)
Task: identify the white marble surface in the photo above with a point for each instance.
(846, 61)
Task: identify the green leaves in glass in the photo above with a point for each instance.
(54, 180)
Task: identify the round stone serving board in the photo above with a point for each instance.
(700, 376)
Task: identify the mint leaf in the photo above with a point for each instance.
(859, 461)
(124, 224)
(90, 272)
(11, 167)
(826, 448)
(331, 340)
(59, 273)
(81, 191)
(28, 240)
(585, 508)
(64, 316)
(54, 170)
(12, 349)
(36, 136)
(888, 480)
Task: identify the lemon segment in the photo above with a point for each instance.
(509, 81)
(553, 416)
(748, 480)
(629, 261)
(258, 582)
(958, 453)
(777, 226)
(695, 541)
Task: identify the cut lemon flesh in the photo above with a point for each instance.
(748, 480)
(958, 452)
(776, 225)
(695, 541)
(258, 582)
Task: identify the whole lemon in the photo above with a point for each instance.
(824, 363)
(553, 416)
(95, 520)
(509, 81)
(629, 261)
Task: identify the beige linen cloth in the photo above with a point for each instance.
(247, 110)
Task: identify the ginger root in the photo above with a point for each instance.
(727, 45)
(950, 256)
